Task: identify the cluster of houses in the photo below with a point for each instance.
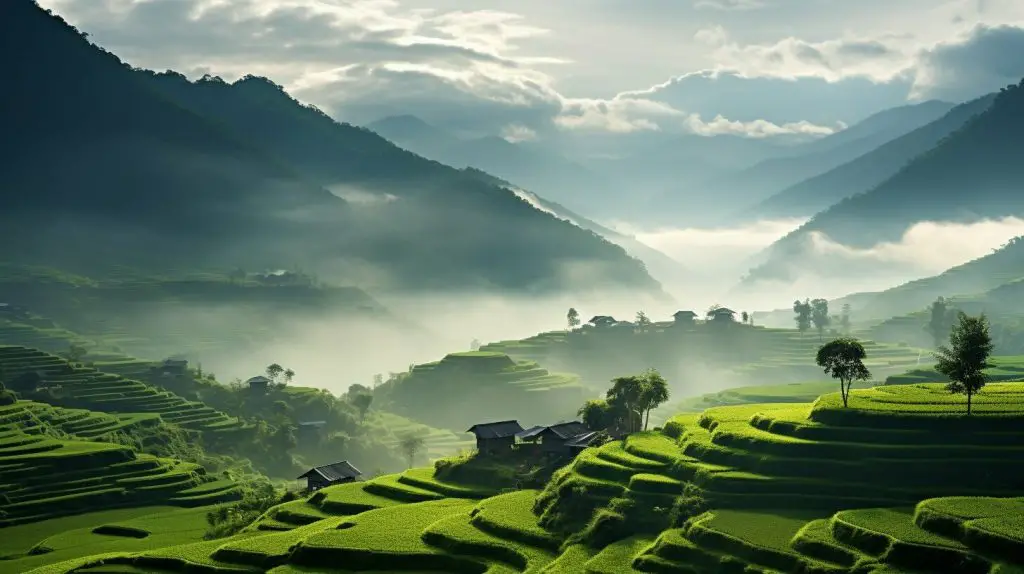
(562, 439)
(679, 319)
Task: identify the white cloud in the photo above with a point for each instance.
(518, 133)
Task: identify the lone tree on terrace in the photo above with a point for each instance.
(966, 358)
(819, 316)
(572, 318)
(653, 393)
(802, 310)
(411, 444)
(843, 359)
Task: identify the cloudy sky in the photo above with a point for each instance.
(534, 68)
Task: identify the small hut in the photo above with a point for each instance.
(496, 436)
(684, 318)
(258, 384)
(330, 474)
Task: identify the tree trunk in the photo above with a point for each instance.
(844, 390)
(968, 402)
(647, 418)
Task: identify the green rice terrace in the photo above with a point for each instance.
(734, 354)
(502, 388)
(76, 386)
(899, 482)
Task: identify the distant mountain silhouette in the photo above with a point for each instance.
(548, 174)
(866, 171)
(810, 159)
(105, 165)
(973, 174)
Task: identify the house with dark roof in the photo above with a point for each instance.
(258, 384)
(172, 367)
(553, 438)
(684, 317)
(496, 436)
(722, 315)
(330, 474)
(602, 321)
(580, 442)
(310, 431)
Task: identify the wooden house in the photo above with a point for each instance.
(553, 438)
(496, 436)
(173, 367)
(722, 315)
(602, 321)
(684, 318)
(258, 384)
(576, 444)
(310, 431)
(330, 474)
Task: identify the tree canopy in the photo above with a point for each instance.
(843, 359)
(966, 358)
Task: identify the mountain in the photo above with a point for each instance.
(548, 174)
(973, 174)
(866, 171)
(663, 268)
(810, 159)
(104, 164)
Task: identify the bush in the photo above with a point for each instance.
(7, 398)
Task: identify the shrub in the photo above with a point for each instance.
(7, 398)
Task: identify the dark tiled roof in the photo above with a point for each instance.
(334, 472)
(258, 379)
(582, 440)
(569, 429)
(530, 433)
(684, 314)
(500, 429)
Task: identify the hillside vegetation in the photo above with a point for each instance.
(752, 488)
(463, 389)
(246, 170)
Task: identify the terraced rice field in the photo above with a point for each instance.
(900, 482)
(89, 388)
(43, 477)
(437, 442)
(463, 389)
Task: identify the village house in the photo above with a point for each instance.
(602, 321)
(173, 367)
(330, 474)
(684, 318)
(496, 436)
(580, 442)
(258, 384)
(310, 431)
(553, 438)
(723, 315)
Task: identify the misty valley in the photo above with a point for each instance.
(356, 287)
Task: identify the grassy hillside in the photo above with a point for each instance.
(767, 488)
(463, 389)
(980, 157)
(703, 356)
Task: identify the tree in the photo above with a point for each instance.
(572, 318)
(844, 319)
(378, 380)
(362, 402)
(803, 315)
(653, 394)
(843, 359)
(819, 316)
(964, 361)
(274, 371)
(624, 396)
(288, 376)
(597, 414)
(474, 345)
(940, 320)
(76, 353)
(410, 444)
(744, 316)
(643, 323)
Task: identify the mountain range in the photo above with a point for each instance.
(971, 174)
(104, 163)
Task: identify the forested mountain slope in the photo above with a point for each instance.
(157, 171)
(973, 174)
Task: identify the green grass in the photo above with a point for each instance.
(161, 526)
